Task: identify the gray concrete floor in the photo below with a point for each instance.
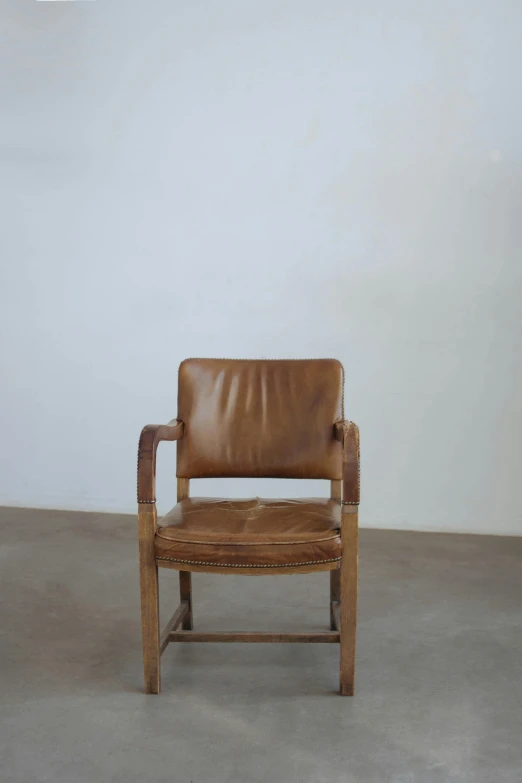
(439, 669)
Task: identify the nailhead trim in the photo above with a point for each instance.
(246, 565)
(146, 501)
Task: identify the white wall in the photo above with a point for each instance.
(273, 178)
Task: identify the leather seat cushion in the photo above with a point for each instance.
(251, 533)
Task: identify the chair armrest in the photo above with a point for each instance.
(348, 434)
(150, 436)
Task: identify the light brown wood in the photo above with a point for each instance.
(260, 636)
(185, 594)
(335, 596)
(147, 523)
(204, 569)
(185, 579)
(348, 434)
(150, 437)
(183, 488)
(336, 489)
(348, 604)
(173, 623)
(336, 617)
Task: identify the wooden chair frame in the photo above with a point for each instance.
(343, 575)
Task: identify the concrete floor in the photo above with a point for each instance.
(439, 669)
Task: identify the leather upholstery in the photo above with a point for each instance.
(251, 533)
(260, 418)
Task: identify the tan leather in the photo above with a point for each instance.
(253, 533)
(260, 418)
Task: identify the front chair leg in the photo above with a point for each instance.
(185, 594)
(149, 590)
(348, 606)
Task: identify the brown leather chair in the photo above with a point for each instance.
(257, 418)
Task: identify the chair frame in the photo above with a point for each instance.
(343, 574)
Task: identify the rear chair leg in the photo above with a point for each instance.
(185, 594)
(149, 590)
(348, 607)
(335, 594)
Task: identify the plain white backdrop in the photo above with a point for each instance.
(274, 178)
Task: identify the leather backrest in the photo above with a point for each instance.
(259, 417)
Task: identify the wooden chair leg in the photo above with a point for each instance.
(348, 606)
(335, 595)
(149, 590)
(336, 493)
(185, 594)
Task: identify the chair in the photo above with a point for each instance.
(255, 418)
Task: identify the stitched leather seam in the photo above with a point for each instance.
(249, 565)
(224, 359)
(246, 543)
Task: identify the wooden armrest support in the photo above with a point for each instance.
(150, 436)
(347, 433)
